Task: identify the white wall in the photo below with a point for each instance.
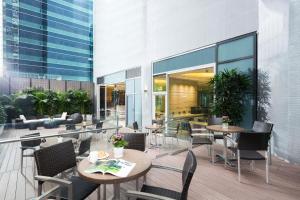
(279, 57)
(119, 35)
(132, 33)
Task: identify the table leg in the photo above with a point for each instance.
(225, 150)
(104, 191)
(116, 191)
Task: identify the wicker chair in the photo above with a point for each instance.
(54, 160)
(84, 146)
(136, 141)
(152, 192)
(33, 145)
(135, 126)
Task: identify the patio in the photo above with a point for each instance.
(209, 182)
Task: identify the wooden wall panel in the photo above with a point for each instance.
(73, 85)
(4, 86)
(19, 84)
(57, 85)
(40, 83)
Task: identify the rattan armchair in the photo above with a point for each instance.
(54, 160)
(156, 193)
(136, 141)
(33, 145)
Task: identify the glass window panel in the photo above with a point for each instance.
(130, 86)
(160, 107)
(236, 49)
(130, 109)
(159, 83)
(138, 109)
(245, 66)
(242, 65)
(195, 58)
(137, 86)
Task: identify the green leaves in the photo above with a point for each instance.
(2, 114)
(231, 88)
(37, 101)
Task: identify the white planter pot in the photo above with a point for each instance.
(225, 125)
(118, 152)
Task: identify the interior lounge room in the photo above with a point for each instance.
(149, 100)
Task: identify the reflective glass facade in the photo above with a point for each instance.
(48, 39)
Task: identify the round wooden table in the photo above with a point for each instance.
(230, 129)
(152, 128)
(143, 165)
(225, 131)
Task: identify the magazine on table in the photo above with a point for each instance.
(117, 167)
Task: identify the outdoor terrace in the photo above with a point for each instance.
(209, 182)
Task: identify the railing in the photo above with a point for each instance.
(19, 139)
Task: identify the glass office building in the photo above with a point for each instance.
(50, 39)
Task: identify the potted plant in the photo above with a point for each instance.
(231, 88)
(225, 122)
(119, 143)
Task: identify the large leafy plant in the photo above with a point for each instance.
(231, 88)
(2, 114)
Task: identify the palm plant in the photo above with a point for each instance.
(41, 102)
(62, 102)
(231, 88)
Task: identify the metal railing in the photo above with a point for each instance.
(19, 139)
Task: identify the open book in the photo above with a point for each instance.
(117, 167)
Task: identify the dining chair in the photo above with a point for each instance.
(136, 141)
(84, 146)
(99, 126)
(32, 145)
(213, 120)
(171, 131)
(201, 137)
(152, 192)
(249, 143)
(135, 126)
(54, 160)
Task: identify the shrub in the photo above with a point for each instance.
(2, 114)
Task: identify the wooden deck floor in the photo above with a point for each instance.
(211, 182)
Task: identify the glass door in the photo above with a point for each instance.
(160, 106)
(159, 97)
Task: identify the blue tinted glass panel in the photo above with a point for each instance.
(245, 66)
(236, 49)
(242, 65)
(196, 58)
(50, 39)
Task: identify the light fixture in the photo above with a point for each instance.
(145, 89)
